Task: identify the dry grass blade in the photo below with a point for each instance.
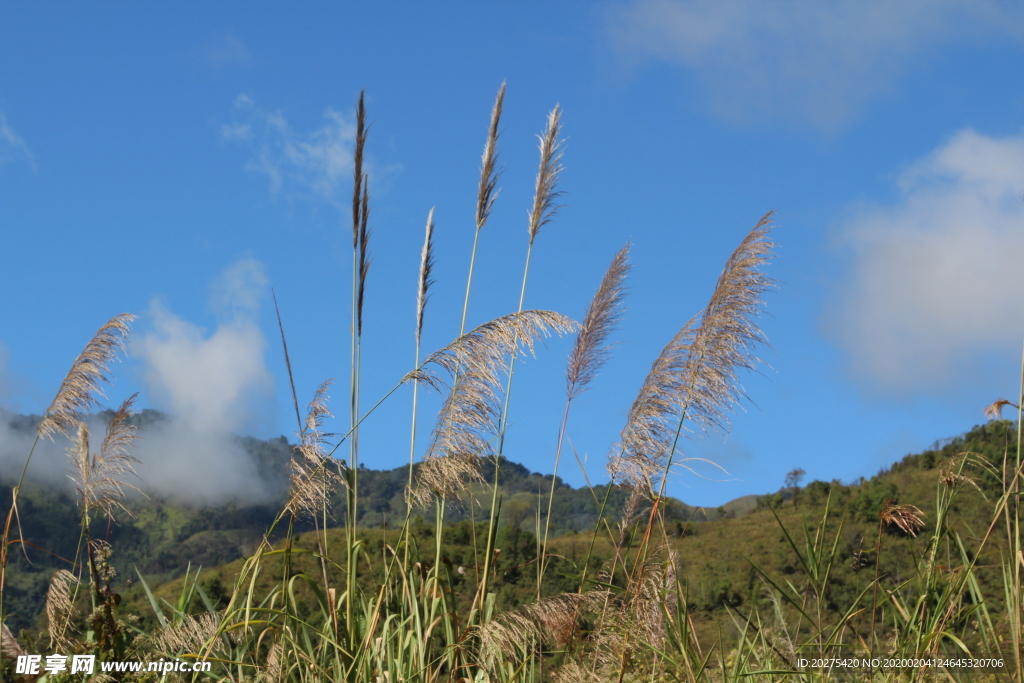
(590, 351)
(311, 472)
(100, 478)
(59, 609)
(78, 391)
(426, 267)
(287, 360)
(696, 375)
(469, 415)
(544, 195)
(908, 518)
(488, 169)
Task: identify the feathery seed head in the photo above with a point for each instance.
(590, 351)
(489, 173)
(469, 416)
(696, 375)
(78, 391)
(8, 645)
(101, 478)
(518, 631)
(426, 267)
(994, 411)
(311, 471)
(545, 194)
(908, 518)
(357, 193)
(188, 636)
(60, 608)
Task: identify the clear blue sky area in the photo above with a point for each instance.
(176, 161)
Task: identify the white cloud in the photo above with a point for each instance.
(12, 145)
(318, 162)
(819, 61)
(935, 278)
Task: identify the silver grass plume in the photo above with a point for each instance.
(544, 195)
(78, 391)
(590, 351)
(188, 636)
(311, 471)
(625, 621)
(357, 194)
(59, 609)
(9, 647)
(426, 268)
(469, 416)
(487, 193)
(274, 669)
(101, 478)
(695, 377)
(515, 634)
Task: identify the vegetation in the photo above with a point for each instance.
(922, 563)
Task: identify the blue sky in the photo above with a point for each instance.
(175, 161)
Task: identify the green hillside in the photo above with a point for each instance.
(163, 538)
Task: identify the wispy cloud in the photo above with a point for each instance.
(295, 163)
(816, 61)
(225, 51)
(12, 145)
(934, 279)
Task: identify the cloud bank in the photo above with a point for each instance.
(816, 61)
(211, 385)
(934, 283)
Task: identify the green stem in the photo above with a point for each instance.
(542, 560)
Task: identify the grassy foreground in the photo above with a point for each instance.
(354, 604)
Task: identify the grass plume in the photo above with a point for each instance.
(60, 608)
(603, 315)
(311, 470)
(696, 375)
(425, 281)
(101, 478)
(907, 518)
(469, 416)
(545, 193)
(81, 385)
(489, 173)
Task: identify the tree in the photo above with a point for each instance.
(795, 476)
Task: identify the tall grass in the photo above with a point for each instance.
(336, 610)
